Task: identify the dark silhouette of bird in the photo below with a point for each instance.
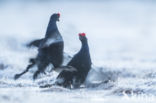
(50, 49)
(34, 43)
(81, 62)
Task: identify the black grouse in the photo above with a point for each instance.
(81, 62)
(50, 49)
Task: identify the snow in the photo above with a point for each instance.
(121, 37)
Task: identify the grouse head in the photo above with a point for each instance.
(82, 37)
(55, 17)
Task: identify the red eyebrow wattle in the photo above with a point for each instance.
(59, 14)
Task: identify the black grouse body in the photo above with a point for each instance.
(81, 62)
(50, 49)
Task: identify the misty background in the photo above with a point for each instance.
(121, 36)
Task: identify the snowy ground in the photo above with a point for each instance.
(122, 44)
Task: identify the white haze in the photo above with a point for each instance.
(122, 40)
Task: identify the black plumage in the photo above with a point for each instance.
(82, 62)
(35, 43)
(50, 49)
